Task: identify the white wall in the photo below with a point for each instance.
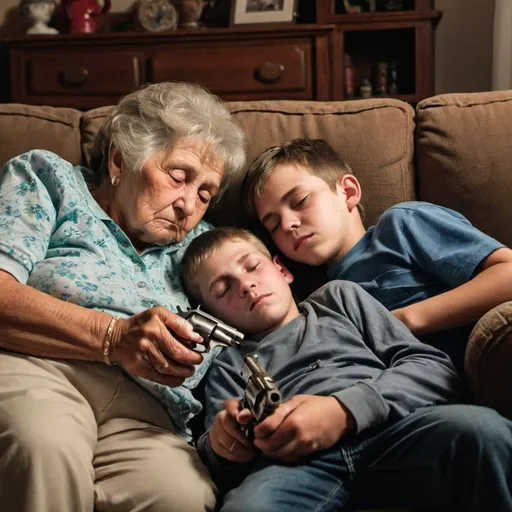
(464, 46)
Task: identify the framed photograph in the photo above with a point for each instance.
(262, 11)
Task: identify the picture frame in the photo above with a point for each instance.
(262, 11)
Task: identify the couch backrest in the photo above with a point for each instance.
(464, 157)
(463, 147)
(375, 137)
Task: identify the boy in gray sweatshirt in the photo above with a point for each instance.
(364, 412)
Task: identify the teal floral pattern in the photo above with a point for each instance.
(56, 238)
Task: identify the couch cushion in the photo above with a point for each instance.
(92, 121)
(489, 359)
(374, 136)
(25, 127)
(464, 155)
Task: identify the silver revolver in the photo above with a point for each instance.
(261, 395)
(212, 330)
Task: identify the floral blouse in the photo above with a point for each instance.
(55, 237)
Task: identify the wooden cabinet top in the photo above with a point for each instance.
(246, 32)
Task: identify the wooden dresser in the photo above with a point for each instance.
(242, 63)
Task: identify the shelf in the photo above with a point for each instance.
(397, 17)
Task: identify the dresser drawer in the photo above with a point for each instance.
(252, 71)
(75, 73)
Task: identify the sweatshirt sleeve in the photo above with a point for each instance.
(223, 381)
(416, 375)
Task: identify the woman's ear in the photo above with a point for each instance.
(115, 163)
(350, 186)
(286, 273)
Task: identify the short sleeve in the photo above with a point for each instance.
(443, 242)
(28, 191)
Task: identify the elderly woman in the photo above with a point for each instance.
(89, 281)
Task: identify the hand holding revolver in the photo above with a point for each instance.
(211, 329)
(261, 396)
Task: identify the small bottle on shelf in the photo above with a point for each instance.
(366, 89)
(382, 79)
(350, 77)
(393, 84)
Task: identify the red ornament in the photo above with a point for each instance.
(82, 15)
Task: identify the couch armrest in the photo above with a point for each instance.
(488, 361)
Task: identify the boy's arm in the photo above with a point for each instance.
(445, 244)
(416, 375)
(223, 382)
(490, 286)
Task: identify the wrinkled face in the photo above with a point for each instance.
(246, 289)
(161, 204)
(308, 221)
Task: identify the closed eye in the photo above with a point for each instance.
(205, 197)
(223, 292)
(302, 202)
(177, 178)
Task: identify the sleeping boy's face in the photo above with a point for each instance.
(246, 289)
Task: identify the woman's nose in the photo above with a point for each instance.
(186, 205)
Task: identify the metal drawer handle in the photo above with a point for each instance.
(73, 77)
(269, 72)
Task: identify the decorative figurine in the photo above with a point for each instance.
(350, 77)
(156, 15)
(38, 13)
(190, 13)
(82, 15)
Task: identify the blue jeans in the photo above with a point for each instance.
(453, 458)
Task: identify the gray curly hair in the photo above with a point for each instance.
(151, 119)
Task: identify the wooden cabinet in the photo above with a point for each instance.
(303, 61)
(85, 71)
(399, 41)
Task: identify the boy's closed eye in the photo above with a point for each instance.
(301, 202)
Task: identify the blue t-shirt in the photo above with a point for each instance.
(416, 251)
(55, 237)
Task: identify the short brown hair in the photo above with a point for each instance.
(315, 155)
(204, 246)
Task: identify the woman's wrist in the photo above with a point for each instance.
(108, 343)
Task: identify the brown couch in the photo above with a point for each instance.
(454, 150)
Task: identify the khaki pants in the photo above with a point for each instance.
(78, 436)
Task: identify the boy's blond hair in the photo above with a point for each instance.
(202, 247)
(316, 156)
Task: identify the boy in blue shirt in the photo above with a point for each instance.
(425, 263)
(364, 407)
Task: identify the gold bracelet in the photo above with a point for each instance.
(107, 345)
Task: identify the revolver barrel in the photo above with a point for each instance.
(261, 395)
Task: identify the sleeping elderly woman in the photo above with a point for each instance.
(89, 280)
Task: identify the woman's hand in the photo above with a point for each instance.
(303, 425)
(226, 437)
(146, 345)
